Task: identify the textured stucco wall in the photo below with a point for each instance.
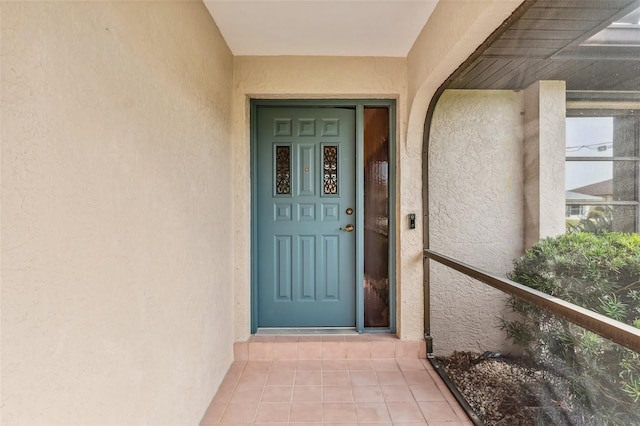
(544, 160)
(454, 31)
(116, 221)
(296, 78)
(475, 211)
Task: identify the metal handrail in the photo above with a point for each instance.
(606, 327)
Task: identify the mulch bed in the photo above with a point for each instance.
(504, 390)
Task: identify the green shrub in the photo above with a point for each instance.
(600, 272)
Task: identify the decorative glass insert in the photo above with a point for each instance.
(330, 169)
(283, 169)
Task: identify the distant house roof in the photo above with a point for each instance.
(603, 188)
(576, 196)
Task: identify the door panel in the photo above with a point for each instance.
(305, 173)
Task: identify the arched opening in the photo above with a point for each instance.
(534, 136)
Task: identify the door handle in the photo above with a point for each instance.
(348, 228)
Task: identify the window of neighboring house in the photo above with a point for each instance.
(574, 210)
(602, 166)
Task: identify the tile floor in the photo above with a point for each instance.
(332, 388)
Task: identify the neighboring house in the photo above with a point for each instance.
(576, 212)
(600, 190)
(138, 208)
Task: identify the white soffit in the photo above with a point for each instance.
(320, 27)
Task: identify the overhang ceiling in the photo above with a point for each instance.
(320, 28)
(560, 40)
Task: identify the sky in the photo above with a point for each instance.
(584, 136)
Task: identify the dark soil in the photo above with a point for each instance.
(504, 390)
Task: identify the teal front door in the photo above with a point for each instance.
(305, 180)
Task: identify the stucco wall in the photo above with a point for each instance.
(117, 189)
(544, 160)
(454, 31)
(296, 78)
(475, 211)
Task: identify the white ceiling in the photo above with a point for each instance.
(320, 27)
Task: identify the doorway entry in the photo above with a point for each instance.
(319, 260)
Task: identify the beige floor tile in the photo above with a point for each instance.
(281, 378)
(271, 424)
(358, 338)
(437, 411)
(285, 350)
(246, 394)
(262, 338)
(309, 350)
(426, 392)
(284, 365)
(337, 394)
(340, 424)
(390, 377)
(253, 377)
(410, 364)
(238, 424)
(379, 349)
(384, 337)
(417, 377)
(310, 339)
(259, 351)
(335, 364)
(367, 394)
(407, 350)
(363, 378)
(307, 394)
(360, 364)
(359, 350)
(239, 413)
(335, 378)
(273, 412)
(370, 412)
(308, 378)
(405, 412)
(397, 393)
(259, 365)
(286, 339)
(306, 412)
(309, 365)
(339, 412)
(277, 394)
(384, 364)
(334, 350)
(331, 338)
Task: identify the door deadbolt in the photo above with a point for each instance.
(349, 211)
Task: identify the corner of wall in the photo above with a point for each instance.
(544, 159)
